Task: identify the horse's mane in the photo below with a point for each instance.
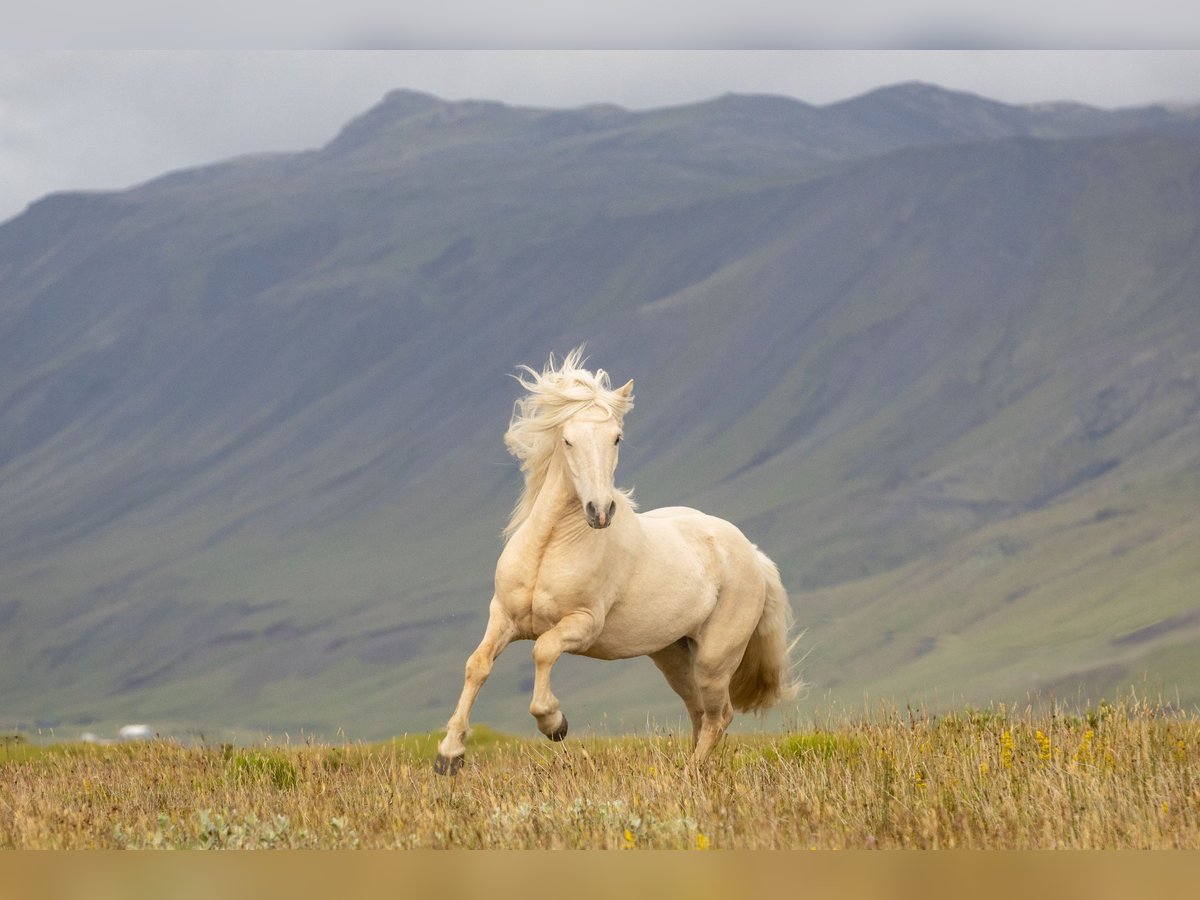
(555, 395)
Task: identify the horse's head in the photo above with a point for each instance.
(589, 443)
(569, 420)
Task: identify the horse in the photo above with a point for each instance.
(582, 572)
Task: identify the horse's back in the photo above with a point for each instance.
(711, 536)
(671, 512)
(687, 519)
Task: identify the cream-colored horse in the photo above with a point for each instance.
(583, 573)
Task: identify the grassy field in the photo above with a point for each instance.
(1124, 776)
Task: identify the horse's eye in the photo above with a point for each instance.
(568, 443)
(618, 440)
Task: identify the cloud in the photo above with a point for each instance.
(623, 24)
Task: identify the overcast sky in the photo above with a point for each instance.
(74, 120)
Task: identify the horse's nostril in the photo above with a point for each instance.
(590, 509)
(612, 508)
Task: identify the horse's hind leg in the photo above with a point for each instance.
(719, 651)
(573, 632)
(499, 634)
(712, 684)
(722, 642)
(676, 662)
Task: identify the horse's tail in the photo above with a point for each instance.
(764, 676)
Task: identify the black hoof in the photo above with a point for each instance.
(561, 731)
(448, 765)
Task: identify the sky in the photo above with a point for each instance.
(108, 119)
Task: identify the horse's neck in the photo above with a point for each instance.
(556, 513)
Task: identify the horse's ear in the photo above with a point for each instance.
(626, 390)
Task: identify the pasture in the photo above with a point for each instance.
(1123, 776)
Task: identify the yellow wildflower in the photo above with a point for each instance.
(701, 842)
(629, 841)
(1043, 746)
(1084, 753)
(1006, 749)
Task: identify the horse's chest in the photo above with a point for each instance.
(538, 592)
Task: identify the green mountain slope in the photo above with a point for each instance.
(940, 357)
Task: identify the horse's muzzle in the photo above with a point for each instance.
(598, 519)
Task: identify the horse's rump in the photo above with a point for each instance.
(763, 678)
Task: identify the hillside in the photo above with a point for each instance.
(939, 356)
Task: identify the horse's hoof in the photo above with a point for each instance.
(448, 765)
(561, 731)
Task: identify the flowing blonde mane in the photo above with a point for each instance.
(555, 395)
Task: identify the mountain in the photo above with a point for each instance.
(939, 356)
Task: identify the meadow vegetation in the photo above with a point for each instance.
(1114, 776)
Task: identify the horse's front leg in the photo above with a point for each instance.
(574, 632)
(499, 634)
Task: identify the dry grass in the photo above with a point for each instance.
(1117, 777)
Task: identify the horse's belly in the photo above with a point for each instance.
(643, 624)
(612, 646)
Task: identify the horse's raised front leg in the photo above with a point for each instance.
(573, 632)
(499, 634)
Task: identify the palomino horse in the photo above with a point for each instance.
(583, 573)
